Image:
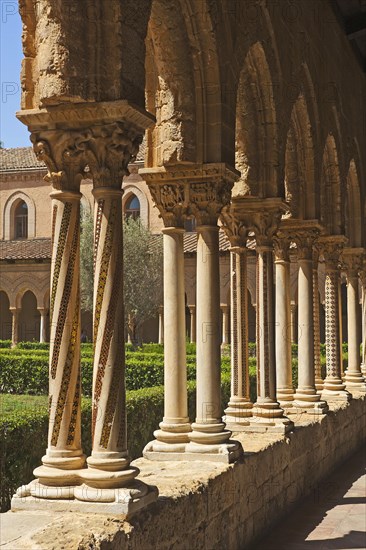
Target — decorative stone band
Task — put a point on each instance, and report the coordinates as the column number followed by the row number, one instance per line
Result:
column 183, row 191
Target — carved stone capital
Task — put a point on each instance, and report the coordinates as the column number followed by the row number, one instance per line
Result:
column 171, row 199
column 184, row 191
column 261, row 216
column 282, row 244
column 207, row 200
column 352, row 260
column 331, row 247
column 101, row 151
column 235, row 229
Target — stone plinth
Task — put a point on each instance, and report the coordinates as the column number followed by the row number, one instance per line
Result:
column 209, row 505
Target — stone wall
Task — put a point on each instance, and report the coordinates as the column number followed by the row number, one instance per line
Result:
column 214, row 506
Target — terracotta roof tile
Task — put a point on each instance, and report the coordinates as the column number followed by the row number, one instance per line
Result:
column 24, row 158
column 20, row 158
column 32, row 249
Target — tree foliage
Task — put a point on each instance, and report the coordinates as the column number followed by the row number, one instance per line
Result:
column 143, row 272
column 143, row 275
column 86, row 262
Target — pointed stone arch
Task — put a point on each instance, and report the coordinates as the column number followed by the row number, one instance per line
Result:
column 353, row 208
column 182, row 88
column 256, row 128
column 300, row 163
column 332, row 216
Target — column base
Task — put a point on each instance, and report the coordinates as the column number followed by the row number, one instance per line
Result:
column 336, row 395
column 238, row 412
column 307, row 400
column 212, row 442
column 170, row 440
column 315, row 408
column 319, row 384
column 334, row 390
column 354, row 381
column 84, row 499
column 285, row 396
column 268, row 416
column 275, row 425
column 363, row 369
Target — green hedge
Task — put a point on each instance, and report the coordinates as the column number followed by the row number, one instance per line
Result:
column 26, row 371
column 27, row 431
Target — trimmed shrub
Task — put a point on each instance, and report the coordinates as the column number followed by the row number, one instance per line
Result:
column 27, row 430
column 4, row 344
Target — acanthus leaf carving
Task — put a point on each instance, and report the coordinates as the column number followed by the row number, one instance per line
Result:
column 102, row 151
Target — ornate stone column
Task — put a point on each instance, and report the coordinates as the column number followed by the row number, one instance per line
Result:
column 169, row 196
column 105, row 138
column 363, row 316
column 43, row 324
column 161, row 325
column 240, row 406
column 285, row 392
column 208, row 196
column 316, row 320
column 306, row 397
column 14, row 326
column 225, row 325
column 352, row 259
column 64, row 459
column 192, row 311
column 262, row 216
column 334, row 388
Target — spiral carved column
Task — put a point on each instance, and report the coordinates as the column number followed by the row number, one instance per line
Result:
column 106, row 147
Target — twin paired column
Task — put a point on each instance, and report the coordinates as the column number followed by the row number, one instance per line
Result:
column 239, row 408
column 172, row 437
column 198, row 191
column 105, row 480
column 353, row 377
column 306, row 397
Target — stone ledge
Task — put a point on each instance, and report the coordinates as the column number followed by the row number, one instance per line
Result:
column 209, row 505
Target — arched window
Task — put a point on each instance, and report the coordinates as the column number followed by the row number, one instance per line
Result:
column 21, row 221
column 132, row 207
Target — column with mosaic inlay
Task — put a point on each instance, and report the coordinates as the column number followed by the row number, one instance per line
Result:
column 352, row 260
column 316, row 319
column 334, row 387
column 267, row 413
column 110, row 477
column 285, row 392
column 306, row 398
column 239, row 408
column 64, row 459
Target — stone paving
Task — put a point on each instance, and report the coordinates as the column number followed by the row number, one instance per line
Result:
column 332, row 517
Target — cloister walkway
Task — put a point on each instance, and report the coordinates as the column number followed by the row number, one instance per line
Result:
column 332, row 517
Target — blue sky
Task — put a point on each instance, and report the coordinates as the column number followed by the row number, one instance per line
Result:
column 12, row 132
